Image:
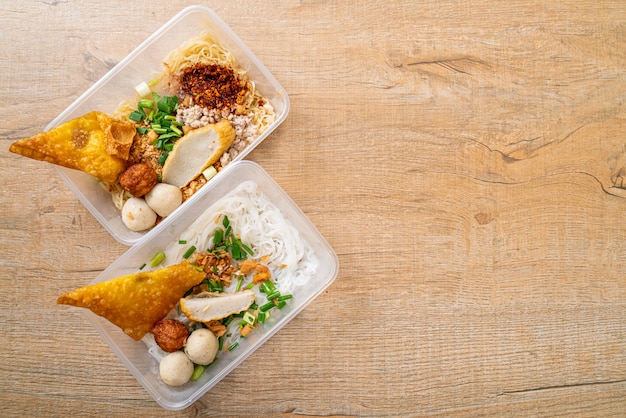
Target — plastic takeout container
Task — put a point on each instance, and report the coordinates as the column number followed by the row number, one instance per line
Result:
column 143, row 64
column 135, row 355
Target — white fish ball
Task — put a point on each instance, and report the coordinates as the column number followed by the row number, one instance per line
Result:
column 201, row 346
column 137, row 215
column 164, row 198
column 175, row 369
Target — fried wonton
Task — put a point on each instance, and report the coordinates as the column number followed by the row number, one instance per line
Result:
column 136, row 302
column 94, row 143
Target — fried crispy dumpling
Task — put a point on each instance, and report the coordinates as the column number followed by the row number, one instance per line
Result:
column 94, row 143
column 136, row 302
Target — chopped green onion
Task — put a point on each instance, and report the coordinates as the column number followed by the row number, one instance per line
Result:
column 228, row 320
column 160, row 130
column 215, row 285
column 236, row 251
column 225, row 221
column 142, row 130
column 281, row 304
column 176, row 130
column 220, row 341
column 248, row 318
column 136, row 116
column 182, row 241
column 142, row 266
column 263, row 287
column 233, row 346
column 145, row 103
column 189, row 251
column 197, row 372
column 219, row 236
column 254, row 306
column 269, row 286
column 273, row 295
column 163, row 157
column 157, row 259
column 142, row 89
column 166, row 106
column 262, row 316
column 284, row 297
column 239, row 283
column 246, row 248
column 249, row 285
column 166, row 135
column 266, row 307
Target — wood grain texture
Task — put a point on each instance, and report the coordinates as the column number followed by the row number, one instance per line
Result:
column 465, row 159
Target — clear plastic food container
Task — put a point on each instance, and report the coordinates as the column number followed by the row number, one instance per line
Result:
column 135, row 355
column 142, row 65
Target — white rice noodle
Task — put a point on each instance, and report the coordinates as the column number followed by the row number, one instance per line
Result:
column 260, row 225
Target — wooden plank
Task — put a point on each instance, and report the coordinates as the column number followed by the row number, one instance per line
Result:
column 464, row 159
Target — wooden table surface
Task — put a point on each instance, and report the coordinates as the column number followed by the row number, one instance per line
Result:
column 465, row 159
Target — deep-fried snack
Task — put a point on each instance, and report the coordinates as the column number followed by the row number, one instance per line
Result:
column 170, row 334
column 139, row 179
column 136, row 302
column 94, row 143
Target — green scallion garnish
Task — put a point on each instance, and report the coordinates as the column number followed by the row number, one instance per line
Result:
column 145, row 103
column 197, row 372
column 218, row 237
column 189, row 251
column 266, row 307
column 157, row 259
column 136, row 116
column 269, row 286
column 239, row 283
column 273, row 295
column 248, row 318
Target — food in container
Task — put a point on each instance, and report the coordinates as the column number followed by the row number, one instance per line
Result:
column 192, row 72
column 275, row 255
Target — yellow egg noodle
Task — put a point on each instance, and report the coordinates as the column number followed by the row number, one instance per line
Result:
column 204, row 49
